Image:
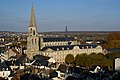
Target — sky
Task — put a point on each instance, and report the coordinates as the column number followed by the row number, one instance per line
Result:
column 55, row 15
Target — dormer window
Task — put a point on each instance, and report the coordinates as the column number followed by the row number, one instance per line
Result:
column 91, row 47
column 57, row 49
column 3, row 69
column 87, row 47
column 7, row 69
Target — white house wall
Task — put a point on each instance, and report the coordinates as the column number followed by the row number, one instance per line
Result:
column 4, row 73
column 117, row 64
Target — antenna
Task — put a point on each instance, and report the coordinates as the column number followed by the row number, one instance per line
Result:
column 66, row 29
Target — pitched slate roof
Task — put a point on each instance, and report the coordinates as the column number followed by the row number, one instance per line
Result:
column 18, row 61
column 89, row 40
column 53, row 74
column 62, row 68
column 3, row 65
column 2, row 49
column 57, row 39
column 41, row 57
column 70, row 47
column 40, row 63
column 21, row 59
column 41, row 60
column 113, row 49
column 12, row 75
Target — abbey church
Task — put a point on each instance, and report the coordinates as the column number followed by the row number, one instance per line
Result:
column 55, row 47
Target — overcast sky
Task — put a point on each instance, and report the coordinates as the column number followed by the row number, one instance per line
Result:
column 54, row 15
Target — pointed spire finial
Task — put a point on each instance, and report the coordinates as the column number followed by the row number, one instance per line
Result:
column 32, row 18
column 32, row 4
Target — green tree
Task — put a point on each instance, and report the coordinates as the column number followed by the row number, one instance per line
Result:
column 69, row 59
column 83, row 60
column 112, row 56
column 23, row 43
column 77, row 59
column 113, row 40
column 97, row 59
column 101, row 56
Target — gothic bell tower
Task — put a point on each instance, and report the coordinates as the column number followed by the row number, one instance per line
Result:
column 32, row 39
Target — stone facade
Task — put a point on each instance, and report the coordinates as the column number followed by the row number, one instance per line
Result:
column 32, row 39
column 61, row 52
column 55, row 47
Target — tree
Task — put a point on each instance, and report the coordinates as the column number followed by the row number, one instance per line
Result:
column 85, row 60
column 101, row 56
column 69, row 59
column 97, row 59
column 77, row 59
column 93, row 55
column 23, row 43
column 113, row 36
column 113, row 40
column 112, row 56
column 108, row 63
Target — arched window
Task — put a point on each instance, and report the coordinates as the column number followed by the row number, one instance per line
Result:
column 34, row 32
column 32, row 41
column 35, row 41
column 30, row 30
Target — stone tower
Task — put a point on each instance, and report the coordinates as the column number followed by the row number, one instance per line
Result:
column 32, row 39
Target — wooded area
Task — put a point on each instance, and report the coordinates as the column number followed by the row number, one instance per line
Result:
column 113, row 40
column 92, row 60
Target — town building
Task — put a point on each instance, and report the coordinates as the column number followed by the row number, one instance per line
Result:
column 117, row 64
column 4, row 70
column 55, row 47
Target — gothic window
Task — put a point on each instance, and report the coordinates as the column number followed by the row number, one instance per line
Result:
column 30, row 30
column 34, row 32
column 32, row 41
column 35, row 41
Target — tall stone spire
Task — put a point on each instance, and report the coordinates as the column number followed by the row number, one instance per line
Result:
column 32, row 39
column 32, row 18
